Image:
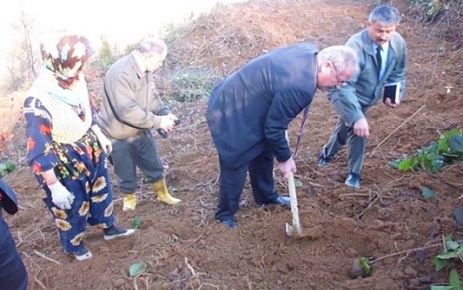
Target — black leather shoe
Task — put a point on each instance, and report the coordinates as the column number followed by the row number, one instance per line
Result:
column 353, row 180
column 283, row 200
column 230, row 223
column 323, row 160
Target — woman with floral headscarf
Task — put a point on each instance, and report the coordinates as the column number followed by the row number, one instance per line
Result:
column 65, row 147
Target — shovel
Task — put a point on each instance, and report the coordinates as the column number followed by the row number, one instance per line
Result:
column 295, row 228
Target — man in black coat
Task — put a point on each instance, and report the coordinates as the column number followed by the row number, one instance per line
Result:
column 13, row 275
column 249, row 112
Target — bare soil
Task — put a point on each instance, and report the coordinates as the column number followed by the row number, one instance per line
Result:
column 185, row 248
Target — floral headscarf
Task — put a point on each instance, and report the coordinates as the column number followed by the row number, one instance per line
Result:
column 66, row 57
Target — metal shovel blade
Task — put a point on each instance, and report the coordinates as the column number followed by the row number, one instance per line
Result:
column 289, row 229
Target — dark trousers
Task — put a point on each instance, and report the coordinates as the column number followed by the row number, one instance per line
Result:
column 13, row 275
column 141, row 152
column 232, row 181
column 356, row 145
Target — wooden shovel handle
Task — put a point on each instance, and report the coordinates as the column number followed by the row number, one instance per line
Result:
column 294, row 209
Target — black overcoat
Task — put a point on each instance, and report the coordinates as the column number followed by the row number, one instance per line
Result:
column 251, row 109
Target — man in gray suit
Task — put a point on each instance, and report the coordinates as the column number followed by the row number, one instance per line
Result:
column 383, row 57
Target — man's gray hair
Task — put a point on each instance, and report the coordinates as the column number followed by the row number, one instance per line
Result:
column 386, row 15
column 343, row 57
column 152, row 45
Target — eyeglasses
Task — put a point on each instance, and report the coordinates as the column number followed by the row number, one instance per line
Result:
column 340, row 82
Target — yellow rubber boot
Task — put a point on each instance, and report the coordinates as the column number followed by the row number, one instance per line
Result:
column 130, row 201
column 160, row 188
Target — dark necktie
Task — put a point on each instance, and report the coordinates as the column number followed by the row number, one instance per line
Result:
column 379, row 59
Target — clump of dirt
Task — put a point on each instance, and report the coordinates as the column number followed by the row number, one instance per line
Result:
column 184, row 248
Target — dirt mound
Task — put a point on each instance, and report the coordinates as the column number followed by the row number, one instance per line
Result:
column 184, row 248
column 228, row 37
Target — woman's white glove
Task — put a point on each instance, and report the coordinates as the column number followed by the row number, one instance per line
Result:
column 60, row 195
column 104, row 141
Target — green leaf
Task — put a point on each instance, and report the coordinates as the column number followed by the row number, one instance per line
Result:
column 442, row 288
column 447, row 134
column 437, row 163
column 431, row 148
column 6, row 167
column 442, row 144
column 438, row 154
column 454, row 279
column 407, row 164
column 440, row 264
column 458, row 214
column 456, row 143
column 448, row 238
column 137, row 269
column 365, row 266
column 452, row 245
column 10, row 167
column 136, row 222
column 427, row 193
column 395, row 164
column 298, row 183
column 448, row 255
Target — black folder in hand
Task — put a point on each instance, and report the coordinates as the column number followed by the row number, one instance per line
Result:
column 392, row 91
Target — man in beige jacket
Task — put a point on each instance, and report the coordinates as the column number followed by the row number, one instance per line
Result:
column 131, row 108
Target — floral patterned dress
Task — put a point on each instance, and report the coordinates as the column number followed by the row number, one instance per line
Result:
column 81, row 167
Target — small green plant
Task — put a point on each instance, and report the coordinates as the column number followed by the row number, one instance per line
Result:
column 431, row 9
column 136, row 222
column 6, row 167
column 189, row 85
column 447, row 149
column 446, row 260
column 105, row 57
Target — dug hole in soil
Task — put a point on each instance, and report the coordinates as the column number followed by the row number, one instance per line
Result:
column 185, row 248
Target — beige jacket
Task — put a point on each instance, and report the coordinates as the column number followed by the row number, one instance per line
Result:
column 130, row 102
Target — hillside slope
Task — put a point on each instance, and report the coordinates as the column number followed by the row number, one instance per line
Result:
column 185, row 248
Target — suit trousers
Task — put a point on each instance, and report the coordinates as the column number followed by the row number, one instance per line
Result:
column 232, row 180
column 13, row 275
column 356, row 146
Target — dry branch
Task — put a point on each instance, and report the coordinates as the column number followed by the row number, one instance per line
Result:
column 46, row 258
column 396, row 129
column 199, row 237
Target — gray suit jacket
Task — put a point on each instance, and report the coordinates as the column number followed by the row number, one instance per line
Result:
column 365, row 89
